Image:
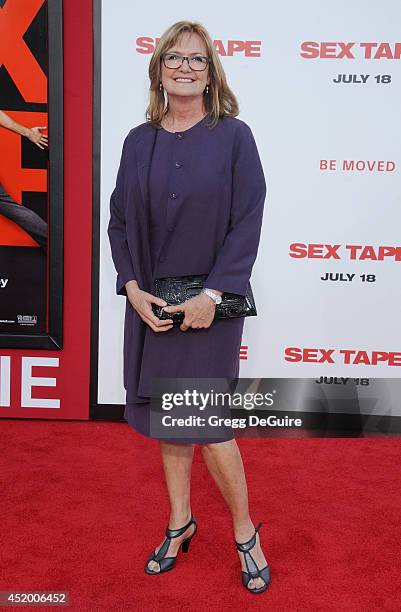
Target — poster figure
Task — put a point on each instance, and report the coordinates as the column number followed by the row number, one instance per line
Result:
column 26, row 218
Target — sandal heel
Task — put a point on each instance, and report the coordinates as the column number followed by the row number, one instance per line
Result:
column 186, row 543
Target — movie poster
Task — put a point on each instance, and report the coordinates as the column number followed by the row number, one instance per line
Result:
column 25, row 175
column 322, row 100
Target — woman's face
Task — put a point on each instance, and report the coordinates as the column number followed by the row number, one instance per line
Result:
column 196, row 80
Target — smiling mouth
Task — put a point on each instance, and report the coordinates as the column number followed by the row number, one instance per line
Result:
column 183, row 80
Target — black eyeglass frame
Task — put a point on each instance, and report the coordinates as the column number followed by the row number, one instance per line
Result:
column 183, row 58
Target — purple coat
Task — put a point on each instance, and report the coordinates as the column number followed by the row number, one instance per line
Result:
column 213, row 222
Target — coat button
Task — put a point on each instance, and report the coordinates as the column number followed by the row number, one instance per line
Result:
column 180, row 136
column 173, row 196
column 170, row 228
column 178, row 164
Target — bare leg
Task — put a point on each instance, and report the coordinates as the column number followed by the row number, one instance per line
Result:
column 224, row 463
column 177, row 463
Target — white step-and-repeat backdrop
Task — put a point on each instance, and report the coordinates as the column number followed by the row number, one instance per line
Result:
column 320, row 86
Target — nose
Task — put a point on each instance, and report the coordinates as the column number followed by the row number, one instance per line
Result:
column 187, row 66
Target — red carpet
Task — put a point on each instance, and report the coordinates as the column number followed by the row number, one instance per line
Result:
column 83, row 505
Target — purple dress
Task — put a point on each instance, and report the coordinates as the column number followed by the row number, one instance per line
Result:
column 188, row 214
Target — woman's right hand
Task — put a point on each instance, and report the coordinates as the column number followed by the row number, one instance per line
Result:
column 142, row 302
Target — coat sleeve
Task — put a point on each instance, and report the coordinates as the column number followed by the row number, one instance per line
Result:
column 116, row 229
column 233, row 266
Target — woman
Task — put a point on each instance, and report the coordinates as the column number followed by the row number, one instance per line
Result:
column 188, row 200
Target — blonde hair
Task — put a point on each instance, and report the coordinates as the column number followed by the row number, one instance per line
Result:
column 219, row 102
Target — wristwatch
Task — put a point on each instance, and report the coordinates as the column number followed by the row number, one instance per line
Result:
column 215, row 296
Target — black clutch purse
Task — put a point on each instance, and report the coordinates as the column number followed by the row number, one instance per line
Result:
column 177, row 289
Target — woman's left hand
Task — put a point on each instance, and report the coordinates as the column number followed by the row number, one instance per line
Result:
column 198, row 311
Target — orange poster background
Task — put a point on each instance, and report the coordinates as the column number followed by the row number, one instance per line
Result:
column 15, row 18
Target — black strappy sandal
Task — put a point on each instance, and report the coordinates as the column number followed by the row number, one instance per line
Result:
column 253, row 570
column 168, row 563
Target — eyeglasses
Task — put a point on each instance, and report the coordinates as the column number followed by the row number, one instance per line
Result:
column 174, row 61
